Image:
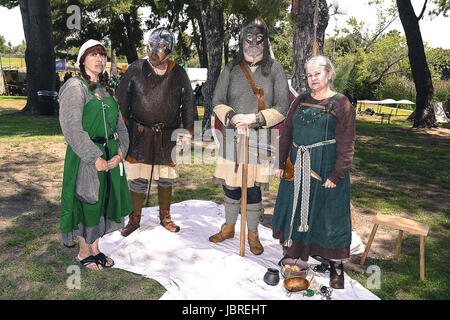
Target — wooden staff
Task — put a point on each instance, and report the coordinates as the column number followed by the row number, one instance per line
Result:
column 316, row 22
column 244, row 194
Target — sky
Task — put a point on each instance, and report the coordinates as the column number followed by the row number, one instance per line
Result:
column 432, row 30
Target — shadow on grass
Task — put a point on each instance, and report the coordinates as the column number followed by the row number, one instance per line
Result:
column 406, row 163
column 401, row 281
column 34, row 264
column 28, row 126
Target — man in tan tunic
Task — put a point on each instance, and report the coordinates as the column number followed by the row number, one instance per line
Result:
column 238, row 108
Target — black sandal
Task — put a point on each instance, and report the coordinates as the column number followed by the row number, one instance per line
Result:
column 101, row 260
column 87, row 261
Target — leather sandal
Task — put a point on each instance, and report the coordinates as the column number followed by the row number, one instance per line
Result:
column 88, row 261
column 102, row 260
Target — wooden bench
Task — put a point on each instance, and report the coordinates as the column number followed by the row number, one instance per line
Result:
column 401, row 224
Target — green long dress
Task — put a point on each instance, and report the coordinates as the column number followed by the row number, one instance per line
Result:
column 329, row 220
column 75, row 213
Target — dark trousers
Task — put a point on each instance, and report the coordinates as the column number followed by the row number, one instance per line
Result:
column 253, row 194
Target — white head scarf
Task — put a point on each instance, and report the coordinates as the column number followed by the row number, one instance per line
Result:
column 88, row 44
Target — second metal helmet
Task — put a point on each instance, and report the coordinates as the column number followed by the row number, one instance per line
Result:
column 161, row 40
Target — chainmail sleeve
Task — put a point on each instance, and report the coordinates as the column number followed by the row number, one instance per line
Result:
column 72, row 97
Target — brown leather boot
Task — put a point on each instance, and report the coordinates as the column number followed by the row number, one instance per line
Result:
column 336, row 280
column 226, row 232
column 133, row 223
column 137, row 200
column 164, row 200
column 166, row 221
column 255, row 245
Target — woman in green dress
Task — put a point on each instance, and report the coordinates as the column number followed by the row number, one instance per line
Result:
column 95, row 197
column 316, row 152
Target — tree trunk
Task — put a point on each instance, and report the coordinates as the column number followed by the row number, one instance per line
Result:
column 113, row 72
column 226, row 51
column 214, row 44
column 199, row 42
column 39, row 54
column 204, row 52
column 425, row 117
column 302, row 15
column 128, row 42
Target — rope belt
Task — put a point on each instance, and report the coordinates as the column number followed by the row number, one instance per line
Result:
column 302, row 170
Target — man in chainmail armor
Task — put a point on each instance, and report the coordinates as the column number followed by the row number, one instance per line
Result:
column 155, row 98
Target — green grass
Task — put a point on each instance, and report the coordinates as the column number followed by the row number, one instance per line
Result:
column 12, row 61
column 402, row 171
column 12, row 98
column 396, row 170
column 27, row 128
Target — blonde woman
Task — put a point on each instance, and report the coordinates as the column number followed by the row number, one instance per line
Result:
column 312, row 211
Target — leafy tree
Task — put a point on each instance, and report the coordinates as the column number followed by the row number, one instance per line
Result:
column 282, row 44
column 118, row 22
column 3, row 47
column 439, row 63
column 424, row 115
column 20, row 48
column 39, row 54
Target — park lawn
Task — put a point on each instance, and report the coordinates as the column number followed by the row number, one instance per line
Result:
column 14, row 62
column 12, row 104
column 402, row 171
column 396, row 170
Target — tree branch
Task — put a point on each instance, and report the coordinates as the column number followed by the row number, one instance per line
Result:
column 380, row 31
column 385, row 72
column 423, row 10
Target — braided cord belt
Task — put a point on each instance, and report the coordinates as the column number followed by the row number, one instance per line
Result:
column 302, row 170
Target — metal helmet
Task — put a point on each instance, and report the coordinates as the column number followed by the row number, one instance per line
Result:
column 255, row 27
column 161, row 40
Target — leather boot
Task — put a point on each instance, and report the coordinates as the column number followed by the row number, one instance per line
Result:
column 164, row 200
column 226, row 232
column 166, row 221
column 336, row 280
column 255, row 245
column 133, row 223
column 137, row 200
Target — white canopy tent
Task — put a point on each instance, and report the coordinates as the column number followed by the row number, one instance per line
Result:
column 197, row 76
column 384, row 102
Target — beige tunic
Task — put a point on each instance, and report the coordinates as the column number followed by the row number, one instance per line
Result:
column 142, row 170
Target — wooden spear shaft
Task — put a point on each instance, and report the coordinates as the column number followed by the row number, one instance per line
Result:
column 316, row 22
column 244, row 195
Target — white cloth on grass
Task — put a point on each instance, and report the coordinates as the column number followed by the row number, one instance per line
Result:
column 189, row 266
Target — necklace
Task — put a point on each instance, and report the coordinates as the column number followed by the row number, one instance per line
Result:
column 312, row 117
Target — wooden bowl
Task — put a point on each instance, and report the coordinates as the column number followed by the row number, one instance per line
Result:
column 295, row 284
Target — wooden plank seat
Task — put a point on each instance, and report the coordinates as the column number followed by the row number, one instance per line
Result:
column 401, row 224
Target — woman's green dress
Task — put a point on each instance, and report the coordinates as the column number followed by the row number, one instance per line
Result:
column 329, row 220
column 93, row 219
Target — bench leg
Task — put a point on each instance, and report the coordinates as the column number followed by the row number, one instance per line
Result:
column 422, row 257
column 372, row 235
column 399, row 245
